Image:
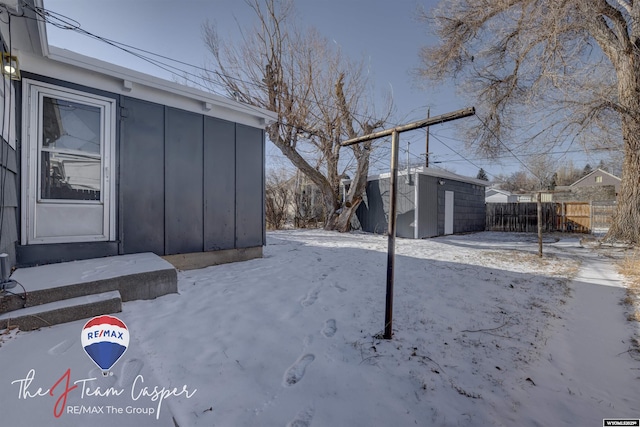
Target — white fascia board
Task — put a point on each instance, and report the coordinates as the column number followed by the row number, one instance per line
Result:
column 438, row 173
column 51, row 61
column 217, row 102
column 42, row 29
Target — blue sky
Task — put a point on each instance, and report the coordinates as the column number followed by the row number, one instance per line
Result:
column 384, row 33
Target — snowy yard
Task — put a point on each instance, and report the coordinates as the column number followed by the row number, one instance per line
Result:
column 291, row 338
column 485, row 333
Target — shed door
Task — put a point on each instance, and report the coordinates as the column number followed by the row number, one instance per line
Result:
column 448, row 212
column 69, row 166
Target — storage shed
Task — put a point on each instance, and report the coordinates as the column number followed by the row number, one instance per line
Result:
column 431, row 202
column 101, row 160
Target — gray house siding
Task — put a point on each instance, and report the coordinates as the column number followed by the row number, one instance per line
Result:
column 598, row 178
column 198, row 178
column 374, row 209
column 468, row 210
column 371, row 212
column 406, row 207
column 183, row 185
column 219, row 184
column 249, row 195
column 142, row 178
column 427, row 208
column 186, row 183
column 468, row 206
column 8, row 200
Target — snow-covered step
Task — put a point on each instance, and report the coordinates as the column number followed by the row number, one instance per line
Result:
column 136, row 276
column 63, row 311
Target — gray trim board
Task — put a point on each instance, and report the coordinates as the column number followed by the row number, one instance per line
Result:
column 30, row 255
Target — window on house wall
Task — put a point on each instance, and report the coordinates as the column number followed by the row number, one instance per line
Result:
column 71, row 150
column 598, row 178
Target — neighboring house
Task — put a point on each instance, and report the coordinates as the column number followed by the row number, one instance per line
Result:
column 496, row 195
column 597, row 186
column 431, row 202
column 598, row 178
column 101, row 160
column 525, row 198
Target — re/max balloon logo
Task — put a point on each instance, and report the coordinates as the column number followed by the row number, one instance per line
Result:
column 105, row 339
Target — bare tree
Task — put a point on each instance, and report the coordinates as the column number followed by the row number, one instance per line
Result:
column 278, row 199
column 567, row 174
column 519, row 181
column 561, row 71
column 320, row 98
column 543, row 168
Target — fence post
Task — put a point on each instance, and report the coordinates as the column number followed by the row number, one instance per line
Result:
column 539, row 201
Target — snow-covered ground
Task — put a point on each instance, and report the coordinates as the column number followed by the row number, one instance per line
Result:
column 485, row 333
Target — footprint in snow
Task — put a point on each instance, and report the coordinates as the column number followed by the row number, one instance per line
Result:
column 129, row 372
column 340, row 288
column 61, row 347
column 307, row 340
column 295, row 373
column 302, row 418
column 311, row 297
column 330, row 328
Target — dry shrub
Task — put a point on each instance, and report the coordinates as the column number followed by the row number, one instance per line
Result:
column 630, row 268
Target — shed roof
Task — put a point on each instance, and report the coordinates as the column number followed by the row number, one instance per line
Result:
column 438, row 173
column 498, row 191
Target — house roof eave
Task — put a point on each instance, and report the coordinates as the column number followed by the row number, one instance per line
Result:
column 593, row 172
column 30, row 41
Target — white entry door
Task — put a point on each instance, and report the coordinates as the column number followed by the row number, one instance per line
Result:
column 448, row 212
column 68, row 162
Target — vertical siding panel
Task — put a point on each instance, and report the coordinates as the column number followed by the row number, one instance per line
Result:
column 142, row 177
column 249, row 186
column 406, row 208
column 219, row 184
column 183, row 182
column 428, row 200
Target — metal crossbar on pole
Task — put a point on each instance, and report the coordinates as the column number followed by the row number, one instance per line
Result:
column 391, row 244
column 443, row 118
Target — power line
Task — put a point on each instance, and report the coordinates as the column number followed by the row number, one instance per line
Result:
column 66, row 23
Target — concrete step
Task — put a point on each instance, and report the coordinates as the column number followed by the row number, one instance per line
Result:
column 68, row 310
column 136, row 276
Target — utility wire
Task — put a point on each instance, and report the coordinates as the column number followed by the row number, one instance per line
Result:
column 507, row 148
column 66, row 23
column 63, row 22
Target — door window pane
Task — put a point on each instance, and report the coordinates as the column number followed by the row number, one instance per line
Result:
column 69, row 176
column 70, row 125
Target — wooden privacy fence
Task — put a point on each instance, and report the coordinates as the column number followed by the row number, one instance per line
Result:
column 521, row 217
column 577, row 217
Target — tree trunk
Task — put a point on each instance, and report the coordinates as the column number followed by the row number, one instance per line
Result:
column 626, row 222
column 342, row 221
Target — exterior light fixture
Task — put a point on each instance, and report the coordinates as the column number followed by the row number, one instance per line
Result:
column 441, row 181
column 10, row 66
